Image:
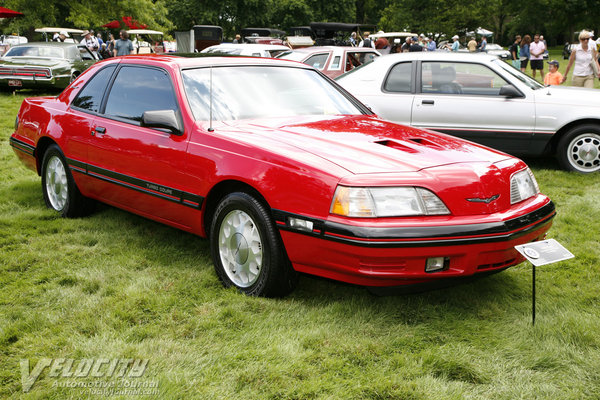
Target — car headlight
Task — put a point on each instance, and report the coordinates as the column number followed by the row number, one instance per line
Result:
column 523, row 186
column 386, row 202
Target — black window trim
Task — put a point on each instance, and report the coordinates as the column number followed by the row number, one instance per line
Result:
column 413, row 81
column 110, row 79
column 419, row 88
column 109, row 86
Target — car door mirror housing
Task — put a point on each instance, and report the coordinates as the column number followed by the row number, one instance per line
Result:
column 509, row 91
column 163, row 119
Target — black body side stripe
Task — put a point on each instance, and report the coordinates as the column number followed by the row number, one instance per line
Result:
column 421, row 236
column 140, row 185
column 22, row 146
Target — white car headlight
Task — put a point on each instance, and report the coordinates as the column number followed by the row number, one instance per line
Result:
column 523, row 186
column 386, row 202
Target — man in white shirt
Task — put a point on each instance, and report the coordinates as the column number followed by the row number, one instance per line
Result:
column 90, row 42
column 537, row 49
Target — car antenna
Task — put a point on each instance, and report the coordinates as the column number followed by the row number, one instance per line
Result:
column 210, row 127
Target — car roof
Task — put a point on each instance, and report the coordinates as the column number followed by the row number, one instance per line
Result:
column 437, row 55
column 45, row 44
column 316, row 49
column 253, row 46
column 179, row 62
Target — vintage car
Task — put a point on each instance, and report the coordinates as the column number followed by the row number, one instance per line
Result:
column 43, row 65
column 483, row 99
column 282, row 170
column 497, row 50
column 247, row 49
column 332, row 60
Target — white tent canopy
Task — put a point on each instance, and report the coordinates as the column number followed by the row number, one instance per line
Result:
column 483, row 32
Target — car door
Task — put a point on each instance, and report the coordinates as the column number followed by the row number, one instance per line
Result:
column 79, row 122
column 393, row 100
column 463, row 99
column 136, row 167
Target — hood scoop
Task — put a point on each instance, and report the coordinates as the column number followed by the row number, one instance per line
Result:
column 407, row 144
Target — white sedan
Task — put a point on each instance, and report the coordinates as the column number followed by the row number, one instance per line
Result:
column 482, row 98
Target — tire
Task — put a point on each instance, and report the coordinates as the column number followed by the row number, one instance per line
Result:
column 60, row 191
column 579, row 149
column 247, row 250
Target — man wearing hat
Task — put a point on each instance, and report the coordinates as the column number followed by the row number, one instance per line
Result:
column 414, row 45
column 62, row 35
column 90, row 42
column 455, row 44
column 553, row 77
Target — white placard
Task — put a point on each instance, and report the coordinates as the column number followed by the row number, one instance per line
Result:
column 544, row 252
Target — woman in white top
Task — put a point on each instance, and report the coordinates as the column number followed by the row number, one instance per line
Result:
column 583, row 55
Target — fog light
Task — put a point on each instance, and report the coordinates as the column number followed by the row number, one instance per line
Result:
column 435, row 264
column 300, row 224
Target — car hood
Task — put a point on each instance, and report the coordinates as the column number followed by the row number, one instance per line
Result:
column 568, row 96
column 30, row 61
column 366, row 144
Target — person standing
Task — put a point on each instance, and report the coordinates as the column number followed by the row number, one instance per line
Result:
column 524, row 53
column 514, row 52
column 61, row 36
column 90, row 42
column 455, row 44
column 414, row 45
column 431, row 45
column 382, row 44
column 483, row 45
column 353, row 39
column 582, row 56
column 238, row 39
column 472, row 45
column 366, row 42
column 553, row 77
column 123, row 46
column 406, row 45
column 536, row 50
column 99, row 39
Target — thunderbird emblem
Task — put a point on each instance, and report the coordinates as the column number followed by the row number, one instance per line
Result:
column 486, row 201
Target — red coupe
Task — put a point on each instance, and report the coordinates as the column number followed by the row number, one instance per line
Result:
column 282, row 170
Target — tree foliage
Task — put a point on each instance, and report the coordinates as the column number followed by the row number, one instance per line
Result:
column 558, row 20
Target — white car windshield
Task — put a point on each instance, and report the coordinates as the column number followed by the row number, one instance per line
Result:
column 529, row 81
column 247, row 92
column 35, row 51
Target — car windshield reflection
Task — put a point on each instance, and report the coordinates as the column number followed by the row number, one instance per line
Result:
column 257, row 92
column 529, row 81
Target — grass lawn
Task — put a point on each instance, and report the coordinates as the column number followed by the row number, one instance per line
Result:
column 114, row 285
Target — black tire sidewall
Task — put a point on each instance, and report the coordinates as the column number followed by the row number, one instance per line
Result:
column 563, row 146
column 68, row 209
column 272, row 253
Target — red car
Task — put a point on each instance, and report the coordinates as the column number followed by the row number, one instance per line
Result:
column 282, row 170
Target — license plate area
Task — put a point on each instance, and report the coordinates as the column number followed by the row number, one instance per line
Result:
column 15, row 83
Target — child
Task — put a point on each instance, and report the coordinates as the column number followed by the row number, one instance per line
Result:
column 553, row 77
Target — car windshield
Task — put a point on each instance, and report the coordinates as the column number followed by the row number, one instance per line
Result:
column 244, row 92
column 35, row 51
column 532, row 83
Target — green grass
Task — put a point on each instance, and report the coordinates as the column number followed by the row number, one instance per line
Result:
column 114, row 285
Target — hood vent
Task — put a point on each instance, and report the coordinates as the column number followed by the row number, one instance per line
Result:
column 406, row 145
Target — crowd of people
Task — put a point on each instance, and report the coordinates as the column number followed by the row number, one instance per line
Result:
column 103, row 49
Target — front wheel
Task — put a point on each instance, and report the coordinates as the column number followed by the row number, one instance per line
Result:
column 579, row 149
column 246, row 248
column 60, row 191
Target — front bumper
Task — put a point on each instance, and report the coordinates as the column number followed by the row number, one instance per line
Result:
column 396, row 255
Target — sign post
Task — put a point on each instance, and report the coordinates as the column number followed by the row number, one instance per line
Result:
column 539, row 253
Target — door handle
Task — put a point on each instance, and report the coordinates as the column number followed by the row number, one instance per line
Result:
column 429, row 102
column 100, row 130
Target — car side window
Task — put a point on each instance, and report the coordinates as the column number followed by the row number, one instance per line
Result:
column 317, row 61
column 85, row 54
column 140, row 89
column 460, row 78
column 335, row 64
column 399, row 79
column 90, row 97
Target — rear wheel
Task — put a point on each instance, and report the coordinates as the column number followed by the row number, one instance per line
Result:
column 60, row 191
column 579, row 149
column 247, row 250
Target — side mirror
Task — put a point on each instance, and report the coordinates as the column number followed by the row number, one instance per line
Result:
column 163, row 119
column 510, row 92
